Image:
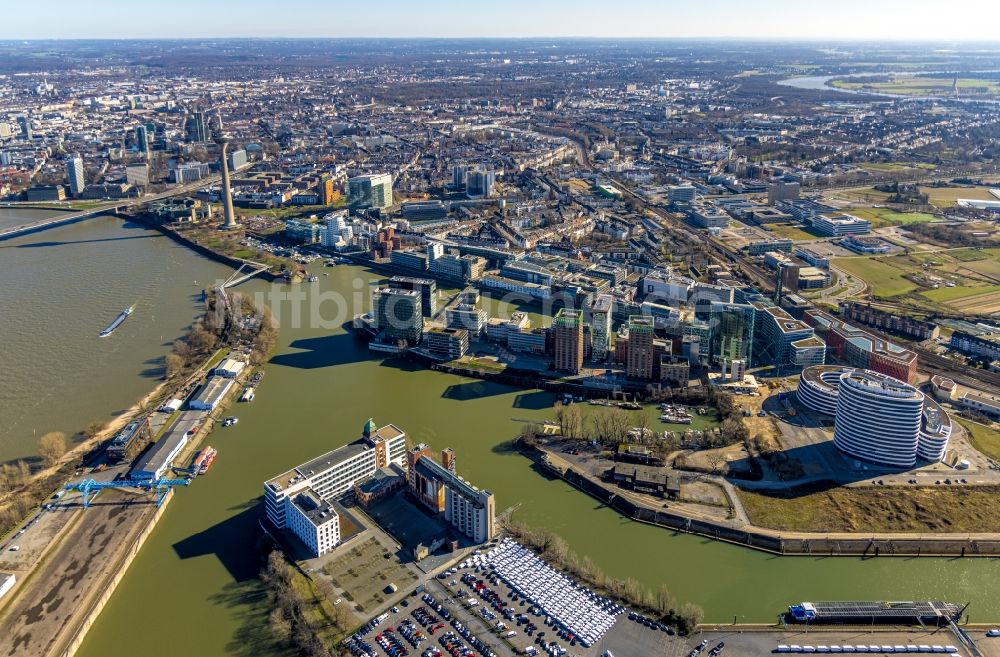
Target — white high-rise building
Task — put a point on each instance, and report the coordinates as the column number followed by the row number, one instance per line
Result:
column 138, row 175
column 74, row 171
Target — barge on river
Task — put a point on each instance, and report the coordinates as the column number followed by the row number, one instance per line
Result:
column 870, row 613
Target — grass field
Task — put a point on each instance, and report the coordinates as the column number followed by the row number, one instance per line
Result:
column 946, row 294
column 887, row 217
column 886, row 280
column 882, row 509
column 988, row 266
column 972, row 255
column 791, row 232
column 864, row 195
column 914, row 85
column 897, row 166
column 979, row 304
column 983, row 438
column 945, row 197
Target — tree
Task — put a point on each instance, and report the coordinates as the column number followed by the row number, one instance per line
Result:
column 95, row 428
column 174, row 364
column 691, row 615
column 200, row 339
column 52, row 446
column 13, row 475
column 572, row 421
column 665, row 602
column 618, row 421
column 641, row 419
column 556, row 549
column 281, row 627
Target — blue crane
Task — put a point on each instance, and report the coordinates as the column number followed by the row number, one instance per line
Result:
column 89, row 488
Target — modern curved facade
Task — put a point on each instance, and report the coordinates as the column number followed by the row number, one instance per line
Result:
column 878, row 418
column 935, row 432
column 818, row 387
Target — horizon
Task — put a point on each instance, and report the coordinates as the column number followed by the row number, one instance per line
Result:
column 851, row 21
column 539, row 37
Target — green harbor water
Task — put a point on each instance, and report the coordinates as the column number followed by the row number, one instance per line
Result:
column 192, row 587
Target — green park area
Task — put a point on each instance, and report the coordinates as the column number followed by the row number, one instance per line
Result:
column 289, row 212
column 888, row 217
column 946, row 197
column 882, row 274
column 983, row 438
column 892, row 167
column 946, row 294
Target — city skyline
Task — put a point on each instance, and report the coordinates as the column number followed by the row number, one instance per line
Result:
column 882, row 20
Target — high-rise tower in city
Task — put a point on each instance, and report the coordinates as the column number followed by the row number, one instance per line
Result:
column 74, row 171
column 567, row 329
column 227, row 193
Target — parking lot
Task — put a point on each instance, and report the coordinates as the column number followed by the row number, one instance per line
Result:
column 524, row 629
column 429, row 624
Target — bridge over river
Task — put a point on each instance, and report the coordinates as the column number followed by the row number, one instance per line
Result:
column 111, row 206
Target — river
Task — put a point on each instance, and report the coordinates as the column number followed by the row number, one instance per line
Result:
column 60, row 288
column 193, row 585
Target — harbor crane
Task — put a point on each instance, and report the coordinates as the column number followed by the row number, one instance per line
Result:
column 89, row 488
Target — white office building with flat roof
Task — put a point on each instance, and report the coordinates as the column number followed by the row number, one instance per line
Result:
column 334, row 473
column 314, row 522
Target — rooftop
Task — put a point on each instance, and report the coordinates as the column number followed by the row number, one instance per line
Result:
column 314, row 508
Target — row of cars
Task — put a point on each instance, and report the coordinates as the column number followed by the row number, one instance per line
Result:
column 869, row 649
column 649, row 622
column 358, row 645
column 714, row 652
column 391, row 644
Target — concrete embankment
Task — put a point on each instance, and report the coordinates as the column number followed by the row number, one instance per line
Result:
column 116, row 575
column 773, row 541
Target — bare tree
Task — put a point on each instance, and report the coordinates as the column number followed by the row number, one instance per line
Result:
column 618, row 425
column 94, row 428
column 52, row 446
column 573, row 421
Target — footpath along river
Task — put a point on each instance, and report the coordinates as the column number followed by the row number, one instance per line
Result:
column 193, row 587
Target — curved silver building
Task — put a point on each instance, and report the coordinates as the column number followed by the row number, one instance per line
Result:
column 935, row 432
column 878, row 419
column 818, row 387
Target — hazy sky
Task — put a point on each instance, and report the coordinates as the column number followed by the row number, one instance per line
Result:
column 844, row 19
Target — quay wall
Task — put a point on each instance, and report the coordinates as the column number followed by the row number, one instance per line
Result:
column 777, row 542
column 80, row 633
